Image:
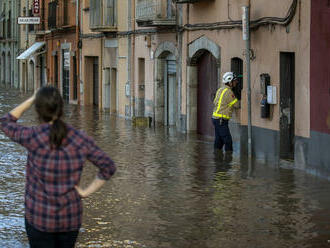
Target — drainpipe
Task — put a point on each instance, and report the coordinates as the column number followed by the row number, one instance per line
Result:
column 128, row 60
column 81, row 86
column 180, row 46
column 77, row 53
column 101, row 76
column 26, row 25
column 132, row 58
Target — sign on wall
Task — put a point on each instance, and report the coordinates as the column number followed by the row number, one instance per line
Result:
column 36, row 7
column 28, row 20
column 66, row 62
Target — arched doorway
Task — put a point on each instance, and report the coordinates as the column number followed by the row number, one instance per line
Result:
column 203, row 73
column 206, row 90
column 167, row 90
column 31, row 76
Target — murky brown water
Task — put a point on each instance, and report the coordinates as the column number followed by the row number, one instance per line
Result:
column 171, row 190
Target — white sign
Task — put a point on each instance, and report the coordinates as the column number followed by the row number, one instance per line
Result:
column 245, row 23
column 271, row 94
column 66, row 62
column 127, row 89
column 28, row 20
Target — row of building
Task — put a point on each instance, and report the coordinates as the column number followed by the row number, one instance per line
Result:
column 163, row 59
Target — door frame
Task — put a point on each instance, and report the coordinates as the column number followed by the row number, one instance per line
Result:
column 287, row 109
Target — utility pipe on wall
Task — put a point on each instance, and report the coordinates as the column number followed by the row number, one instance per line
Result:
column 26, row 25
column 246, row 37
column 77, row 52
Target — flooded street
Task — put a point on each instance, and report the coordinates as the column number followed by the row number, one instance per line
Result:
column 172, row 190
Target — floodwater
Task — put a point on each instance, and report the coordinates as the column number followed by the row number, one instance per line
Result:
column 172, row 190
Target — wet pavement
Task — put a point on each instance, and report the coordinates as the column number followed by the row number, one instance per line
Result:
column 172, row 190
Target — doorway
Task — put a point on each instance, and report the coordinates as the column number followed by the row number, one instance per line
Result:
column 31, row 83
column 66, row 76
column 56, row 71
column 3, row 74
column 96, row 81
column 171, row 90
column 41, row 70
column 207, row 87
column 113, row 91
column 287, row 105
column 140, row 106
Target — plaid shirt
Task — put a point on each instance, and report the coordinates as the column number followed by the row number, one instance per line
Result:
column 51, row 202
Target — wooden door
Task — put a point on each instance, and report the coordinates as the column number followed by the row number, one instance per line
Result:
column 207, row 86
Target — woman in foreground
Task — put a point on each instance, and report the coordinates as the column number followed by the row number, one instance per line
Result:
column 56, row 155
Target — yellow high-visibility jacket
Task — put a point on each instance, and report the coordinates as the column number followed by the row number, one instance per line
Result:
column 224, row 102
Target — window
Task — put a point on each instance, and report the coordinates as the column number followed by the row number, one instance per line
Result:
column 52, row 15
column 109, row 13
column 237, row 68
column 9, row 25
column 65, row 12
column 86, row 4
column 95, row 13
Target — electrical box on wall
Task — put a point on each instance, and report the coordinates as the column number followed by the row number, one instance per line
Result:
column 271, row 95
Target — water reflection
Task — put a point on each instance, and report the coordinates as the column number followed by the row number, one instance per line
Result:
column 173, row 190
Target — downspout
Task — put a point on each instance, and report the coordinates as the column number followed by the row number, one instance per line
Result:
column 180, row 46
column 132, row 59
column 26, row 25
column 101, row 77
column 77, row 53
column 81, row 88
column 187, row 55
column 128, row 60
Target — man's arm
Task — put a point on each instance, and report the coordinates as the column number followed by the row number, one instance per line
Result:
column 233, row 101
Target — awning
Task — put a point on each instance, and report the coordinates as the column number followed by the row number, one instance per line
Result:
column 31, row 50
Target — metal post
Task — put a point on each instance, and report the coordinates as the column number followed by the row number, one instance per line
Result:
column 26, row 25
column 246, row 37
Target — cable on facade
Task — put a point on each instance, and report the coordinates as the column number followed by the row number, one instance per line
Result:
column 238, row 23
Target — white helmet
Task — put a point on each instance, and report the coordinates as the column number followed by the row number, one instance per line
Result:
column 228, row 77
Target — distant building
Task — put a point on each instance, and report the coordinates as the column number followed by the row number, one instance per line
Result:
column 9, row 43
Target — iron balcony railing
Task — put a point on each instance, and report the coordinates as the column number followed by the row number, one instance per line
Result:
column 190, row 1
column 155, row 12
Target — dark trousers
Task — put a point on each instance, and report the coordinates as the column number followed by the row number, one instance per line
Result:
column 38, row 239
column 222, row 135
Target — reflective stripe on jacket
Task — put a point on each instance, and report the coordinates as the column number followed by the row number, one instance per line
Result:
column 224, row 102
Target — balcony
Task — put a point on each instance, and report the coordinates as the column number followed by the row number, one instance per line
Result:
column 190, row 1
column 103, row 15
column 155, row 13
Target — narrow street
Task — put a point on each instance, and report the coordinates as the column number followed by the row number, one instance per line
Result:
column 172, row 191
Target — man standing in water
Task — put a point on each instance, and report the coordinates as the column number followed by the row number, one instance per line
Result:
column 224, row 102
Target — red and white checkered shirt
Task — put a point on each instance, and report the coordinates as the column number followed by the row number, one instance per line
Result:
column 51, row 202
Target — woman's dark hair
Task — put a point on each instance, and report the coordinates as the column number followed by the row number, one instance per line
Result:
column 49, row 106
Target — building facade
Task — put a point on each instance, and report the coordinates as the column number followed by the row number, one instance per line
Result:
column 9, row 43
column 287, row 44
column 27, row 64
column 60, row 32
column 163, row 60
